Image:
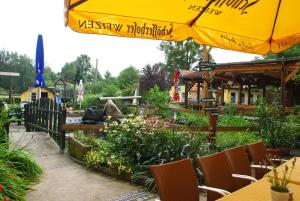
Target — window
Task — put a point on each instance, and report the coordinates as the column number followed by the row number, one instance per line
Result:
column 33, row 96
column 251, row 99
column 243, row 100
column 233, row 97
column 44, row 94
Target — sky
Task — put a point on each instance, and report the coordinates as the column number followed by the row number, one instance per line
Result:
column 22, row 21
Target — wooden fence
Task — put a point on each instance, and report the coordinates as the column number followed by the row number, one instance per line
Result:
column 45, row 115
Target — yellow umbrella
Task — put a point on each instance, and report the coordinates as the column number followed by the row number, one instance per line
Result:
column 253, row 26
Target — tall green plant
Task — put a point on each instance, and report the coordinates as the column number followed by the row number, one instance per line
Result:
column 273, row 126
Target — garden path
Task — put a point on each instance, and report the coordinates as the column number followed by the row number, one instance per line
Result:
column 63, row 179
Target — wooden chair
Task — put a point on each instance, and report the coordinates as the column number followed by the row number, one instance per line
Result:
column 177, row 181
column 240, row 164
column 259, row 156
column 217, row 172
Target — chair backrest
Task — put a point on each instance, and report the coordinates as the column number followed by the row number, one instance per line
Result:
column 176, row 181
column 258, row 153
column 240, row 164
column 217, row 173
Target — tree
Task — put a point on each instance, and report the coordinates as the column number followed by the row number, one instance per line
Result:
column 154, row 75
column 183, row 55
column 291, row 52
column 127, row 80
column 83, row 68
column 108, row 76
column 50, row 77
column 13, row 62
column 68, row 71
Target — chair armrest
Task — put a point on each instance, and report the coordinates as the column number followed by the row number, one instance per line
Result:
column 262, row 167
column 241, row 176
column 217, row 190
column 278, row 159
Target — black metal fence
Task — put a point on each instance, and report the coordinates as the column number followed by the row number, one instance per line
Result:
column 45, row 115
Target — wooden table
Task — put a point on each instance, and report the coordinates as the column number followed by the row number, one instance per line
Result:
column 260, row 190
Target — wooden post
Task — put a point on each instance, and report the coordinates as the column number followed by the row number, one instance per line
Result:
column 207, row 94
column 223, row 94
column 10, row 91
column 264, row 91
column 249, row 94
column 186, row 95
column 198, row 92
column 283, row 98
column 240, row 93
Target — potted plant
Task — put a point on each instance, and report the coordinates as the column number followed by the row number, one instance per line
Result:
column 274, row 128
column 279, row 185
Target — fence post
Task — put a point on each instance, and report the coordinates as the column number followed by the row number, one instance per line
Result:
column 62, row 120
column 26, row 117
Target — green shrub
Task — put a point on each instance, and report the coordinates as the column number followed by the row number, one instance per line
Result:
column 233, row 120
column 23, row 161
column 274, row 127
column 90, row 100
column 232, row 139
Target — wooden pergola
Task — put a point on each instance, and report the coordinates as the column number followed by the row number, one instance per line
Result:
column 10, row 74
column 279, row 72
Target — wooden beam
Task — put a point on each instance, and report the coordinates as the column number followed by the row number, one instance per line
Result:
column 291, row 75
column 10, row 74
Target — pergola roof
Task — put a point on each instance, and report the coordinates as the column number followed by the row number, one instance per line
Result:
column 190, row 75
column 262, row 72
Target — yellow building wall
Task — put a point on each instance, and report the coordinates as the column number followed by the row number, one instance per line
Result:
column 227, row 95
column 192, row 93
column 26, row 94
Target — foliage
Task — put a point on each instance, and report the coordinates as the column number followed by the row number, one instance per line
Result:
column 23, row 161
column 127, row 80
column 13, row 62
column 154, row 75
column 158, row 98
column 280, row 184
column 192, row 119
column 273, row 125
column 291, row 52
column 230, row 110
column 90, row 100
column 17, row 172
column 183, row 55
column 233, row 139
column 233, row 120
column 133, row 144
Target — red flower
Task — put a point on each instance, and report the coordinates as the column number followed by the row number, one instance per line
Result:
column 5, row 199
column 1, row 188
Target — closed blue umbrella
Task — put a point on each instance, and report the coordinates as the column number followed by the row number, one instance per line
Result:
column 39, row 63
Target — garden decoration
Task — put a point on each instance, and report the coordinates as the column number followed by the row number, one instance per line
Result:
column 80, row 93
column 176, row 94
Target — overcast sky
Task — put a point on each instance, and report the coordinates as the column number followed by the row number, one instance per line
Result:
column 22, row 21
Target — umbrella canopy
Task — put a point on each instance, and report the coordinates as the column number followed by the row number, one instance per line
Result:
column 39, row 63
column 253, row 26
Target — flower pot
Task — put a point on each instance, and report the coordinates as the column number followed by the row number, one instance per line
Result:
column 280, row 196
